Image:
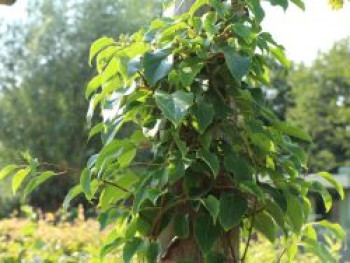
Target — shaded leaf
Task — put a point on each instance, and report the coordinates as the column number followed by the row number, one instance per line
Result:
column 232, row 210
column 157, row 65
column 211, row 160
column 206, row 233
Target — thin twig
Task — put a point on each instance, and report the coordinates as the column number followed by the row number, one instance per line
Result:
column 115, row 185
column 250, row 233
column 281, row 255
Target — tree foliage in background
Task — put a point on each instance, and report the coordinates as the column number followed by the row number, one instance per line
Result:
column 222, row 165
column 43, row 72
column 321, row 95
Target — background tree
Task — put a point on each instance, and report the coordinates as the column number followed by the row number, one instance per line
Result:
column 43, row 72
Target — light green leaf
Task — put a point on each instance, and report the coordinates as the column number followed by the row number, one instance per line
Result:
column 211, row 160
column 157, row 65
column 182, row 226
column 85, row 182
column 232, row 210
column 73, row 193
column 334, row 182
column 98, row 45
column 18, row 178
column 320, row 250
column 212, row 204
column 37, row 181
column 206, row 233
column 174, row 106
column 336, row 229
column 265, row 224
column 238, row 65
column 93, row 85
column 299, row 3
column 209, row 21
column 292, row 131
column 7, row 170
column 278, row 53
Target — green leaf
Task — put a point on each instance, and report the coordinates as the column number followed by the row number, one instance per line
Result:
column 85, row 182
column 292, row 131
column 157, row 65
column 326, row 197
column 18, row 178
column 73, row 193
column 232, row 210
column 276, row 212
column 182, row 226
column 336, row 229
column 238, row 166
column 294, row 213
column 206, row 233
column 211, row 160
column 174, row 106
column 198, row 4
column 238, row 65
column 299, row 3
column 189, row 69
column 93, row 85
column 215, row 257
column 257, row 10
column 278, row 53
column 320, row 250
column 37, row 181
column 282, row 3
column 152, row 252
column 330, row 178
column 203, row 112
column 98, row 45
column 209, row 21
column 265, row 224
column 7, row 170
column 130, row 249
column 212, row 204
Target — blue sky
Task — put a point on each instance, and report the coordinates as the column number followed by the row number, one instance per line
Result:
column 303, row 34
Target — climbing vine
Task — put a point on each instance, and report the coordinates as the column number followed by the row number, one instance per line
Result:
column 189, row 143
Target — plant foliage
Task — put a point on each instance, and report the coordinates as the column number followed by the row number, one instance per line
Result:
column 206, row 152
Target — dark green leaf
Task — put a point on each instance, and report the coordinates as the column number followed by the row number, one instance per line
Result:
column 215, row 257
column 282, row 3
column 238, row 65
column 232, row 210
column 206, row 233
column 203, row 113
column 211, row 160
column 174, row 106
column 213, row 206
column 294, row 213
column 257, row 10
column 265, row 224
column 152, row 252
column 130, row 249
column 157, row 65
column 238, row 166
column 326, row 197
column 182, row 226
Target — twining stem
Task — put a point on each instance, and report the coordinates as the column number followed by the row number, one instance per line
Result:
column 249, row 233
